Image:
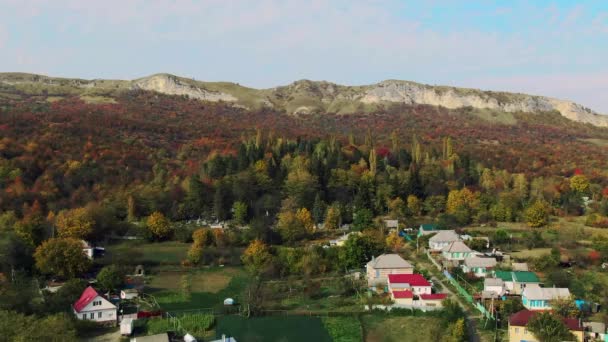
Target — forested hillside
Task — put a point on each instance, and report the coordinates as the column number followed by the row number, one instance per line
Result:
column 149, row 152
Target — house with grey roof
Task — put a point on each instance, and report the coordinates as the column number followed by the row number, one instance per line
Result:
column 381, row 266
column 442, row 239
column 456, row 252
column 495, row 286
column 479, row 266
column 535, row 297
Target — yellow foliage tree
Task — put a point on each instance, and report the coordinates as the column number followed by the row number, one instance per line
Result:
column 537, row 215
column 332, row 218
column 579, row 183
column 414, row 205
column 61, row 257
column 458, row 199
column 256, row 257
column 159, row 225
column 394, row 242
column 74, row 223
column 305, row 219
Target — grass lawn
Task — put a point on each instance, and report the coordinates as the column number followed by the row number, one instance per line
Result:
column 147, row 253
column 209, row 288
column 401, row 329
column 273, row 329
column 531, row 253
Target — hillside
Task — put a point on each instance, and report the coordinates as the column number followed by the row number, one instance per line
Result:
column 300, row 97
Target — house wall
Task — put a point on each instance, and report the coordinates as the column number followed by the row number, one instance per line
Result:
column 535, row 304
column 403, row 301
column 104, row 315
column 460, row 256
column 431, row 302
column 382, row 273
column 518, row 334
column 497, row 289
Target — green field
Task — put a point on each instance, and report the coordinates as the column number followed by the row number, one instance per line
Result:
column 402, row 329
column 209, row 288
column 149, row 254
column 273, row 329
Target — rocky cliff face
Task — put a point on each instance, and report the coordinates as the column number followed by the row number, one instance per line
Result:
column 411, row 93
column 304, row 97
column 171, row 85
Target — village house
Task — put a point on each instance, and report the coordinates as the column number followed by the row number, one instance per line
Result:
column 456, row 252
column 442, row 239
column 433, row 299
column 410, row 282
column 391, row 224
column 516, row 281
column 518, row 330
column 91, row 306
column 595, row 331
column 380, row 267
column 494, row 287
column 537, row 298
column 402, row 297
column 479, row 267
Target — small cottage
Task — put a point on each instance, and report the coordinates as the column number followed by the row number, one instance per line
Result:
column 479, row 267
column 456, row 252
column 442, row 239
column 380, row 267
column 518, row 330
column 415, row 283
column 92, row 306
column 538, row 298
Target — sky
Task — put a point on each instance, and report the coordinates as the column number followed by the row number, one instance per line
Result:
column 552, row 48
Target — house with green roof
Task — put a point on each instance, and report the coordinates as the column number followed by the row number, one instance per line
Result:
column 516, row 281
column 428, row 228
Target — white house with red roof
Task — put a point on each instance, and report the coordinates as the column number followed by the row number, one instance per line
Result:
column 402, row 297
column 433, row 299
column 409, row 282
column 92, row 306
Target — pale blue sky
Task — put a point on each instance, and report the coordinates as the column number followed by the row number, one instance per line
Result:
column 553, row 48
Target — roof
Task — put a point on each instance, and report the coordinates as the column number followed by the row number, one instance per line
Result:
column 87, row 296
column 504, row 275
column 480, row 262
column 411, row 279
column 525, row 277
column 493, row 282
column 541, row 293
column 403, row 294
column 522, row 317
column 518, row 276
column 456, row 247
column 429, row 226
column 445, row 236
column 434, row 296
column 389, row 261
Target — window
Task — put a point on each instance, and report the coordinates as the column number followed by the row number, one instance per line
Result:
column 92, row 315
column 84, row 316
column 517, row 330
column 377, row 273
column 99, row 314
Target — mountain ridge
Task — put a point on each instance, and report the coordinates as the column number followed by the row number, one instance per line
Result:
column 306, row 96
